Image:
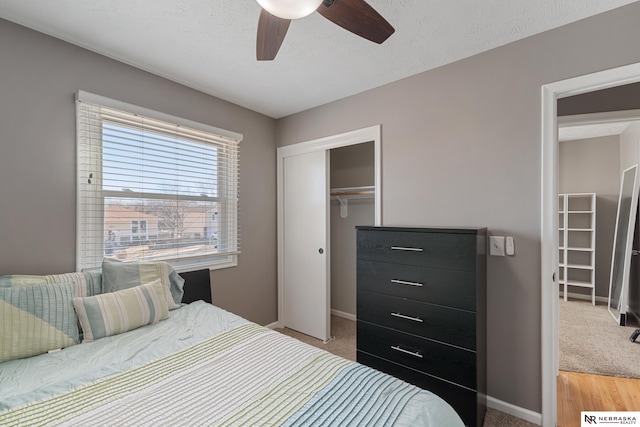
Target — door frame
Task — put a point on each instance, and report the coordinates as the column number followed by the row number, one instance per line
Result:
column 359, row 136
column 549, row 220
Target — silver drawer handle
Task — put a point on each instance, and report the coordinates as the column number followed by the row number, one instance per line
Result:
column 402, row 350
column 404, row 282
column 401, row 248
column 402, row 316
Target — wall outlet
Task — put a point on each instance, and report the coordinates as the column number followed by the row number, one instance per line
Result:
column 496, row 245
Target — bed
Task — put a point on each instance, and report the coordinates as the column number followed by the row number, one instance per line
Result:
column 205, row 366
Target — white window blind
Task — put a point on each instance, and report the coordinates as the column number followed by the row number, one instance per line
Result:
column 154, row 189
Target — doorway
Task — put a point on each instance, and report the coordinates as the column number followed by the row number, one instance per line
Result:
column 352, row 184
column 594, row 151
column 549, row 218
column 323, row 145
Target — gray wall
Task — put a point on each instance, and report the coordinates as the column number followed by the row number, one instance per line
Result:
column 343, row 252
column 351, row 166
column 461, row 146
column 630, row 147
column 593, row 166
column 39, row 76
column 625, row 97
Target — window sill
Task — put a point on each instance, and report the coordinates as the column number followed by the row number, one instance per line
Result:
column 191, row 265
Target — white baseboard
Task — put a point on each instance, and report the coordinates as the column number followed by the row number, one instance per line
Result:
column 513, row 410
column 584, row 297
column 343, row 314
column 272, row 325
column 333, row 312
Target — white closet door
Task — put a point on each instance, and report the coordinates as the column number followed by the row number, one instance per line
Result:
column 306, row 244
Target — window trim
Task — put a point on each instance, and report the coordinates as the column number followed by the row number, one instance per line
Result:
column 92, row 98
column 219, row 262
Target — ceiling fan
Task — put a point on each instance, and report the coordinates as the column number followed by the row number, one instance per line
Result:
column 352, row 15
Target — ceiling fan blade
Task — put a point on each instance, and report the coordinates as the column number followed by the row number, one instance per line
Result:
column 358, row 17
column 271, row 32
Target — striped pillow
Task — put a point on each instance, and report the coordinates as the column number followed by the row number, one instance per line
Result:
column 35, row 319
column 116, row 312
column 87, row 283
column 118, row 275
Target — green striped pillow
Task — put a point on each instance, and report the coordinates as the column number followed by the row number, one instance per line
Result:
column 117, row 275
column 116, row 312
column 35, row 319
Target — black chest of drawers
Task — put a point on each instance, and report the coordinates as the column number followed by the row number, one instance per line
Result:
column 421, row 308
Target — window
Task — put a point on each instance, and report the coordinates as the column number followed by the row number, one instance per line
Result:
column 154, row 187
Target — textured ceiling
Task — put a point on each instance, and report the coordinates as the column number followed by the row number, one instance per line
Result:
column 209, row 45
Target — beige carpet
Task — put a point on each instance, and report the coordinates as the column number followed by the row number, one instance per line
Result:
column 344, row 345
column 592, row 342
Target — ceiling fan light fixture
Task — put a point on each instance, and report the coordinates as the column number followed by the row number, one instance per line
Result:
column 290, row 9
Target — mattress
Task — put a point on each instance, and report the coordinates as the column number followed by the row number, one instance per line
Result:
column 206, row 366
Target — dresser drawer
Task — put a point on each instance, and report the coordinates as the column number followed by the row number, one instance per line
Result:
column 457, row 327
column 445, row 287
column 464, row 401
column 443, row 361
column 438, row 250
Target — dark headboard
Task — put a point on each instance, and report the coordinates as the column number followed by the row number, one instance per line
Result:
column 197, row 286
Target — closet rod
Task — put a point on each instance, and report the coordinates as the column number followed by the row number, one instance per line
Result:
column 344, row 194
column 353, row 191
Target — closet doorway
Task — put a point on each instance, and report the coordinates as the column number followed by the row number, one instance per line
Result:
column 304, row 300
column 352, row 204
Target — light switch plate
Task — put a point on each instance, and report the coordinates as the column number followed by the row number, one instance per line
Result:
column 496, row 245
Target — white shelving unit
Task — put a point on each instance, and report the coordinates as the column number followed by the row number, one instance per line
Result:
column 577, row 241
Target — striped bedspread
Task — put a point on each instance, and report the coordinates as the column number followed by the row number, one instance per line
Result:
column 246, row 375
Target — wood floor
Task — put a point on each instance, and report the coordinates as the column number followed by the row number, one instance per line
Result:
column 584, row 392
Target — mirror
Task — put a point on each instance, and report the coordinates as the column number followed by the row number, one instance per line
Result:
column 622, row 245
